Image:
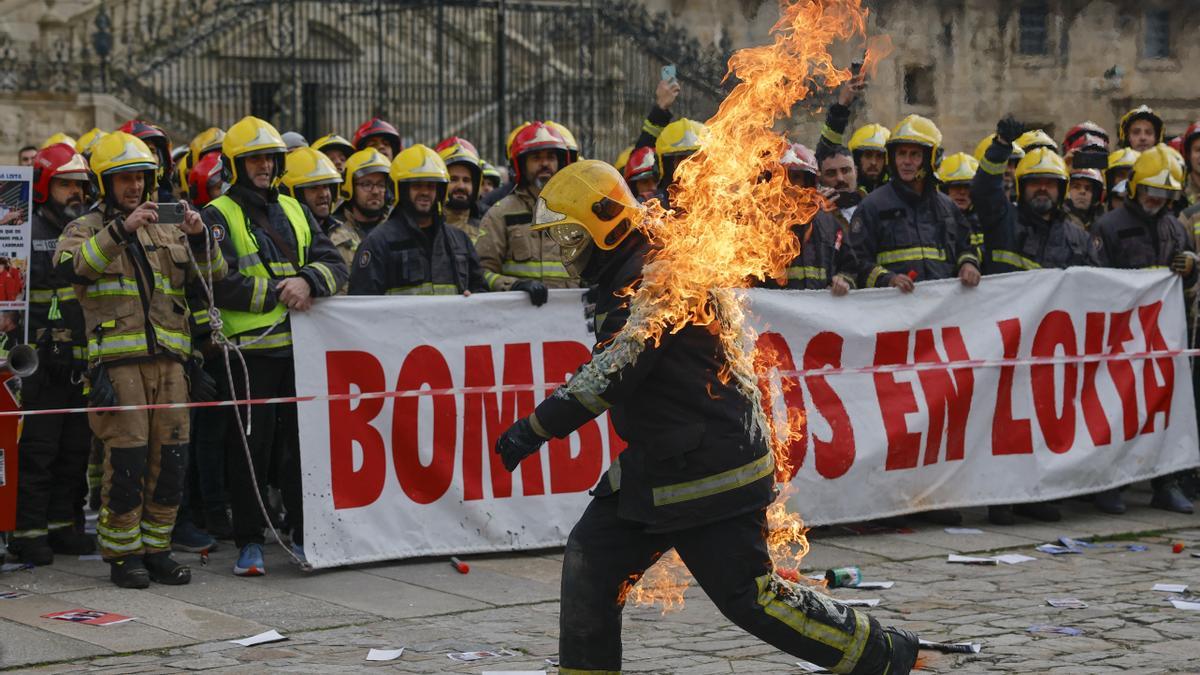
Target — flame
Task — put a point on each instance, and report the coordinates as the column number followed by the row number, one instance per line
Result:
column 733, row 226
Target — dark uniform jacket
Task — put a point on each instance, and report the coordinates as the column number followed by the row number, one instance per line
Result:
column 1016, row 239
column 897, row 231
column 1129, row 238
column 822, row 243
column 56, row 326
column 692, row 457
column 401, row 258
column 323, row 269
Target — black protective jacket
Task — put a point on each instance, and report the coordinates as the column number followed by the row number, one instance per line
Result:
column 56, row 326
column 1130, row 238
column 401, row 258
column 1014, row 238
column 693, row 457
column 897, row 231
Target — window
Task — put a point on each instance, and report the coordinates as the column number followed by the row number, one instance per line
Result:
column 1033, row 29
column 263, row 103
column 918, row 86
column 1158, row 34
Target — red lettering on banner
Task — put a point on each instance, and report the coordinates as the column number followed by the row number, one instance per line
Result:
column 947, row 393
column 486, row 416
column 1122, row 371
column 1093, row 411
column 832, row 458
column 1009, row 436
column 423, row 484
column 1158, row 396
column 352, row 489
column 1055, row 330
column 896, row 401
column 571, row 474
column 774, row 349
column 518, row 370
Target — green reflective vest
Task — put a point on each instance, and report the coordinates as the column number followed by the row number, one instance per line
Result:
column 245, row 246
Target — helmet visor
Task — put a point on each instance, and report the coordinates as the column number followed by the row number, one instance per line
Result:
column 1158, row 193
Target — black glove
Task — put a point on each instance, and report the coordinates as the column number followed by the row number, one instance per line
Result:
column 1009, row 129
column 103, row 394
column 204, row 387
column 536, row 290
column 518, row 442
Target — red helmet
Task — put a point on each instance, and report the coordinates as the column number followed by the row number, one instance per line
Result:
column 799, row 157
column 1085, row 128
column 154, row 137
column 1176, row 144
column 1094, row 177
column 1087, row 141
column 56, row 161
column 533, row 137
column 200, row 179
column 377, row 127
column 641, row 164
column 1192, row 133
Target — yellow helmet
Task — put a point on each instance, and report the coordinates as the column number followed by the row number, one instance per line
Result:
column 588, row 200
column 1142, row 112
column 490, row 171
column 678, row 139
column 60, row 137
column 957, row 168
column 205, row 142
column 182, row 168
column 249, row 137
column 88, row 141
column 920, row 131
column 419, row 164
column 1034, row 139
column 512, row 135
column 306, row 167
column 623, row 158
column 1042, row 163
column 1177, row 158
column 333, row 142
column 869, row 137
column 362, row 163
column 572, row 144
column 981, row 149
column 120, row 152
column 1156, row 169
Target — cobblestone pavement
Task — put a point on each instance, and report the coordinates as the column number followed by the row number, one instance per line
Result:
column 332, row 618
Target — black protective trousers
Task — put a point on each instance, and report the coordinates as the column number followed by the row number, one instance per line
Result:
column 729, row 560
column 52, row 459
column 272, row 441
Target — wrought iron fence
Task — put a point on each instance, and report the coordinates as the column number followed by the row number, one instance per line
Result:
column 473, row 68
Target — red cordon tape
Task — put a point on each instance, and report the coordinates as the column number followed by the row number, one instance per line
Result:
column 816, row 372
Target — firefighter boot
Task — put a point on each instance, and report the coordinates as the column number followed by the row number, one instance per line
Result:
column 904, row 645
column 32, row 550
column 69, row 541
column 128, row 572
column 164, row 570
column 1168, row 496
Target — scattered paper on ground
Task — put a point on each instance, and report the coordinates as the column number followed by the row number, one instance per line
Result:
column 1170, row 588
column 92, row 617
column 859, row 602
column 970, row 560
column 1055, row 549
column 873, row 585
column 1012, row 558
column 12, row 595
column 1057, row 630
column 1184, row 604
column 1067, row 603
column 384, row 654
column 262, row 638
column 475, row 656
column 951, row 647
column 810, row 667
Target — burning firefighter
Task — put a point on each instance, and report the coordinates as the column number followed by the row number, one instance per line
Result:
column 698, row 473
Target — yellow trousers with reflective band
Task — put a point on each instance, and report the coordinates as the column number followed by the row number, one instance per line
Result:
column 145, row 458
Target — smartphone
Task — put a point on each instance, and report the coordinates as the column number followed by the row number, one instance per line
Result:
column 1090, row 160
column 668, row 72
column 170, row 213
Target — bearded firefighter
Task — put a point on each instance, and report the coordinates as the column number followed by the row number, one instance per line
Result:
column 694, row 476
